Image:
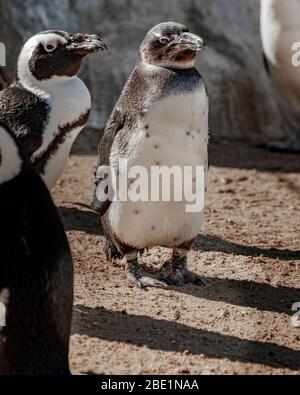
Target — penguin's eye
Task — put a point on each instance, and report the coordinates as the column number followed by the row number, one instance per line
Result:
column 164, row 40
column 50, row 47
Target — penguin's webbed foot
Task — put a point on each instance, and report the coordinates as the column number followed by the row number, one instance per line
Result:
column 175, row 271
column 134, row 277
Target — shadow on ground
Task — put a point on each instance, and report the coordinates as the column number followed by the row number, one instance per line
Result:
column 80, row 220
column 89, row 222
column 176, row 337
column 236, row 292
column 214, row 243
column 249, row 294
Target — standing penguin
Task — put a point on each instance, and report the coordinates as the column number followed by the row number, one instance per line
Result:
column 48, row 105
column 36, row 271
column 161, row 119
column 280, row 30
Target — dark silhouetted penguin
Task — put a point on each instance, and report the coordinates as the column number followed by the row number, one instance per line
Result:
column 48, row 105
column 36, row 271
column 161, row 119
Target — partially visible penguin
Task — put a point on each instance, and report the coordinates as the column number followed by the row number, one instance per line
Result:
column 280, row 30
column 48, row 105
column 161, row 119
column 36, row 271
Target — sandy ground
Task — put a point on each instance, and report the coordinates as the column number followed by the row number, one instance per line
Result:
column 239, row 322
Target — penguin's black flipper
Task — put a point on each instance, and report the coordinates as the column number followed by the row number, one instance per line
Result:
column 114, row 125
column 25, row 115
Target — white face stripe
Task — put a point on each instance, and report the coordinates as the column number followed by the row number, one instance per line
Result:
column 25, row 76
column 44, row 39
column 11, row 162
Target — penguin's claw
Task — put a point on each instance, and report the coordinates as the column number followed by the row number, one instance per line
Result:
column 181, row 279
column 152, row 282
column 144, row 282
column 175, row 272
column 134, row 278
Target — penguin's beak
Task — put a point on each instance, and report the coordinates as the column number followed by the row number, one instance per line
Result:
column 84, row 44
column 191, row 42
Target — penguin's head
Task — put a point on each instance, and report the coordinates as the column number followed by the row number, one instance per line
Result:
column 11, row 157
column 171, row 45
column 55, row 54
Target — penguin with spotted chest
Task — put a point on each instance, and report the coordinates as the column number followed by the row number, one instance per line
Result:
column 48, row 105
column 161, row 119
column 36, row 270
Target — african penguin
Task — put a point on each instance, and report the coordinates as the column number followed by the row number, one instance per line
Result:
column 161, row 119
column 48, row 105
column 280, row 29
column 36, row 270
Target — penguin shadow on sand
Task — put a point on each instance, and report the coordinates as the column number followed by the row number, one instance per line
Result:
column 262, row 296
column 246, row 293
column 81, row 219
column 176, row 337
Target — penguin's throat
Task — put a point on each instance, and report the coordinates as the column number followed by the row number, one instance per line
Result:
column 184, row 63
column 44, row 88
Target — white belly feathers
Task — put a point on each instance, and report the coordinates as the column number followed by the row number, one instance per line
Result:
column 69, row 100
column 173, row 132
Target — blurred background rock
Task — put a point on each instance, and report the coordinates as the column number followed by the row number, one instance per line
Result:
column 240, row 92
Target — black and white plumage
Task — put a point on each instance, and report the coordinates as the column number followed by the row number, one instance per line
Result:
column 161, row 119
column 280, row 30
column 36, row 270
column 48, row 105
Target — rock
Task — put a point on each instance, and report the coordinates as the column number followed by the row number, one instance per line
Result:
column 239, row 89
